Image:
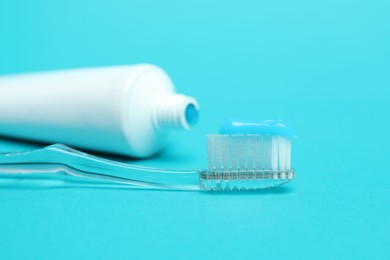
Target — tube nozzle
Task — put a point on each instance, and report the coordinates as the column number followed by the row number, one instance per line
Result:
column 176, row 111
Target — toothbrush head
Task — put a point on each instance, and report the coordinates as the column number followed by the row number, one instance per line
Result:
column 248, row 160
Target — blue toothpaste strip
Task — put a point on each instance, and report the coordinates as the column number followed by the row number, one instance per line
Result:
column 232, row 126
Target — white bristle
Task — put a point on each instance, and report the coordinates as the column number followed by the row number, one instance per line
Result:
column 242, row 148
column 218, row 153
column 225, row 152
column 258, row 147
column 282, row 153
column 275, row 157
column 288, row 155
column 282, row 157
column 274, row 153
column 249, row 157
column 267, row 152
column 235, row 146
column 226, row 157
column 210, row 153
column 251, row 146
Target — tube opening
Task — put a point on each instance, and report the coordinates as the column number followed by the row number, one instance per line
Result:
column 191, row 114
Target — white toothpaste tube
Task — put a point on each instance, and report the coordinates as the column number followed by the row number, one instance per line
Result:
column 127, row 110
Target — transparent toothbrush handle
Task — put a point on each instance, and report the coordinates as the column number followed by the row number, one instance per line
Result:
column 60, row 162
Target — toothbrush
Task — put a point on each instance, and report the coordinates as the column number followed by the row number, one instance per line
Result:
column 245, row 155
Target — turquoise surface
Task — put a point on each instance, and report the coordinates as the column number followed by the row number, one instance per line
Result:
column 321, row 66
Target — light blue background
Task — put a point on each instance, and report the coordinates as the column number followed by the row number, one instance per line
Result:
column 322, row 66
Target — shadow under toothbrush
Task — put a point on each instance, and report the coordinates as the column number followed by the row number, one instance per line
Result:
column 24, row 183
column 280, row 190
